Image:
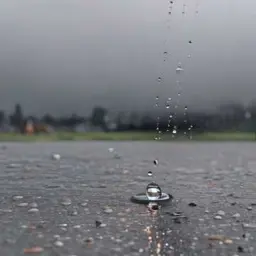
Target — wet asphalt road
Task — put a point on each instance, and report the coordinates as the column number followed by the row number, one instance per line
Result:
column 54, row 204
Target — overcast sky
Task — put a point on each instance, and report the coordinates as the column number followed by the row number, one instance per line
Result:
column 65, row 56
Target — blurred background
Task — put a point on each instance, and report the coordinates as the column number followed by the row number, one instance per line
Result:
column 101, row 66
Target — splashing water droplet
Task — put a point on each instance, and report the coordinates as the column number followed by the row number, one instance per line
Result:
column 155, row 162
column 150, row 173
column 179, row 68
column 153, row 191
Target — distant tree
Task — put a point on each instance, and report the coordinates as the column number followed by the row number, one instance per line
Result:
column 49, row 119
column 98, row 117
column 16, row 119
column 2, row 118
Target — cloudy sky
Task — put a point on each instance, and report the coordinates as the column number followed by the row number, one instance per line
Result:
column 65, row 56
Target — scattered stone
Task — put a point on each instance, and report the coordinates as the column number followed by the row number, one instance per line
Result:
column 228, row 241
column 236, row 215
column 240, row 249
column 89, row 240
column 66, row 202
column 218, row 217
column 97, row 223
column 73, row 213
column 55, row 156
column 221, row 213
column 59, row 243
column 35, row 249
column 16, row 198
column 64, row 225
column 22, row 204
column 192, row 204
column 108, row 210
column 84, row 204
column 249, row 225
column 249, row 208
column 33, row 210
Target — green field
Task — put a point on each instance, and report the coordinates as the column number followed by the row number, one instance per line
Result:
column 125, row 136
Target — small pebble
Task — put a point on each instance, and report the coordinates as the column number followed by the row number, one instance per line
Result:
column 66, row 202
column 236, row 215
column 22, row 205
column 108, row 210
column 218, row 217
column 240, row 249
column 55, row 156
column 221, row 213
column 192, row 204
column 59, row 243
column 16, row 198
column 33, row 210
column 249, row 208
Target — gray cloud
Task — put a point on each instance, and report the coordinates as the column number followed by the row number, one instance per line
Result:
column 67, row 56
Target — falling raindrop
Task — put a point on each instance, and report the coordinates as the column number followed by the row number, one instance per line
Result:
column 150, row 173
column 153, row 191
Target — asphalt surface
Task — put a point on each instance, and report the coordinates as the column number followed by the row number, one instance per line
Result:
column 80, row 204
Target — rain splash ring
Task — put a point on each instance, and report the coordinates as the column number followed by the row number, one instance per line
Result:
column 142, row 198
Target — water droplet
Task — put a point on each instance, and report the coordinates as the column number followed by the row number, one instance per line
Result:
column 174, row 131
column 155, row 162
column 150, row 173
column 153, row 191
column 157, row 97
column 186, row 108
column 171, row 116
column 189, row 56
column 165, row 53
column 159, row 79
column 190, row 42
column 167, row 105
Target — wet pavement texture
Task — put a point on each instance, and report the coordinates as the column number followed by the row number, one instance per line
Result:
column 78, row 202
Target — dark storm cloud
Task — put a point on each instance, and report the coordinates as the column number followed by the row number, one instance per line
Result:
column 69, row 55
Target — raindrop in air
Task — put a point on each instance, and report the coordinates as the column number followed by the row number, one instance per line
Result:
column 150, row 173
column 153, row 191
